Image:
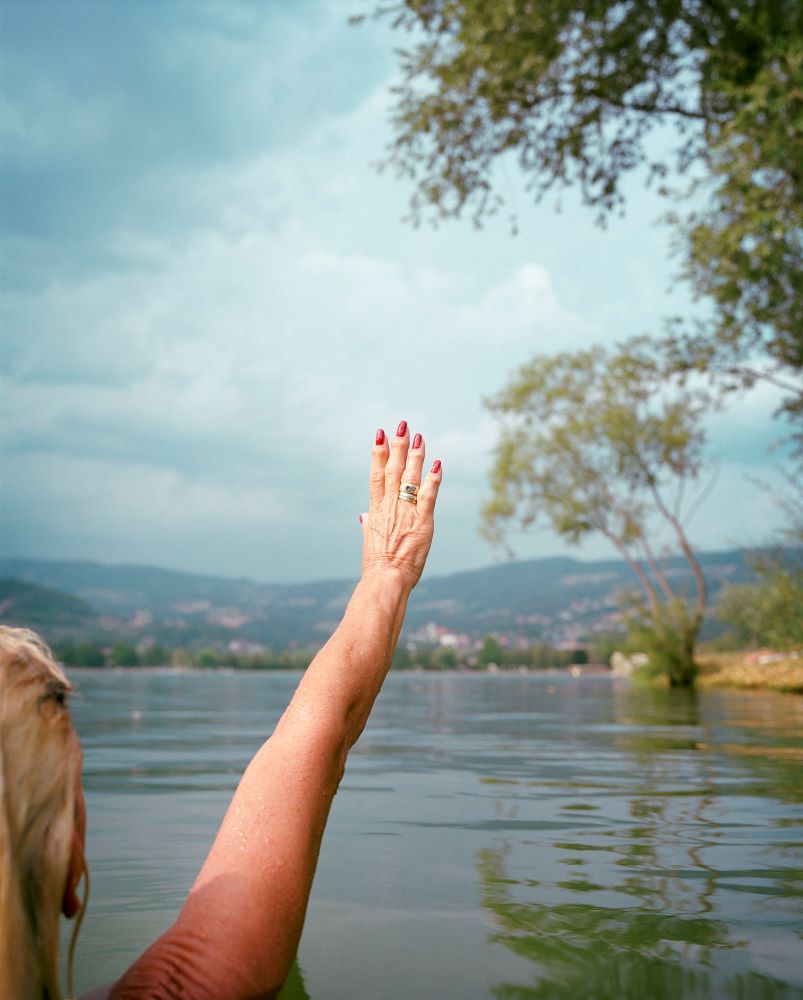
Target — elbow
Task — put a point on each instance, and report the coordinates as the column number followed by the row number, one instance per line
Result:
column 317, row 736
column 180, row 966
column 332, row 742
column 354, row 729
column 324, row 751
column 175, row 967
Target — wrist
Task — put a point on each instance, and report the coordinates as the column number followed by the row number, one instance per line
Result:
column 391, row 580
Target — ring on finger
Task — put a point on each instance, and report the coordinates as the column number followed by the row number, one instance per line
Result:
column 408, row 492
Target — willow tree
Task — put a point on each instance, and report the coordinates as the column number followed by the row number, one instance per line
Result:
column 592, row 442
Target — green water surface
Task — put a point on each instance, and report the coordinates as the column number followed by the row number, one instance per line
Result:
column 498, row 836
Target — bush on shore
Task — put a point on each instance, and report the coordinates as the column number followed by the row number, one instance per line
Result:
column 767, row 670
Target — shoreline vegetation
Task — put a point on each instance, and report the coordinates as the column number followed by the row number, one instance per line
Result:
column 491, row 657
column 765, row 670
column 523, row 616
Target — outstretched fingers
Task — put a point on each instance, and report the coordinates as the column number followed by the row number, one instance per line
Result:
column 415, row 461
column 397, row 460
column 428, row 493
column 376, row 477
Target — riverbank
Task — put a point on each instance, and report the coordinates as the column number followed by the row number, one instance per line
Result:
column 764, row 670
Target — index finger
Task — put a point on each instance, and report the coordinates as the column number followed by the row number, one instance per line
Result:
column 376, row 477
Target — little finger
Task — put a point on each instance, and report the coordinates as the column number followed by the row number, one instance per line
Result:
column 428, row 493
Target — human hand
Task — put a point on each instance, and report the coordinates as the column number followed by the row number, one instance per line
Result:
column 397, row 534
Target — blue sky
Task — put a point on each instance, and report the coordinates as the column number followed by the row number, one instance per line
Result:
column 210, row 300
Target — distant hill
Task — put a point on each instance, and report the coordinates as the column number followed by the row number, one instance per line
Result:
column 26, row 604
column 185, row 608
column 552, row 599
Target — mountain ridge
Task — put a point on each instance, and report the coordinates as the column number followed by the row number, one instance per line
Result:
column 557, row 598
column 24, row 566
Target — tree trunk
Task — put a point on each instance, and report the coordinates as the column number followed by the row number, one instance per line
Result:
column 679, row 654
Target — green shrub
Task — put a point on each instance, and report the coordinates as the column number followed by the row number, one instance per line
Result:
column 667, row 636
column 768, row 612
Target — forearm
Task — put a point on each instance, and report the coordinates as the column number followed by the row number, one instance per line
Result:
column 240, row 927
column 340, row 686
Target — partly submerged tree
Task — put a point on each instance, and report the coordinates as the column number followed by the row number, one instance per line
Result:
column 593, row 442
column 572, row 89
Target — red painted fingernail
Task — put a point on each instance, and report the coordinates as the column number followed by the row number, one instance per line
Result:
column 401, row 430
column 436, row 465
column 416, row 441
column 360, row 518
column 380, row 436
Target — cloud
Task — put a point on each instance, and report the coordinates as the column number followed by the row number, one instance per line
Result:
column 744, row 431
column 211, row 303
column 113, row 115
column 233, row 337
column 254, row 361
column 89, row 508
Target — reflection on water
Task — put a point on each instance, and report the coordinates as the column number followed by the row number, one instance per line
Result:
column 294, row 988
column 512, row 837
column 635, row 953
column 637, row 917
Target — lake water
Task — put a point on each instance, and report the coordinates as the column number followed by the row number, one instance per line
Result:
column 494, row 836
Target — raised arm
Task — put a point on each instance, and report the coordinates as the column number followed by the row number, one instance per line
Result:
column 238, row 931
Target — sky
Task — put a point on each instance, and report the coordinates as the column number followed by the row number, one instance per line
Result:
column 210, row 298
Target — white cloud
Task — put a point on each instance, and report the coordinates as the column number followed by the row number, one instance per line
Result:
column 214, row 401
column 259, row 362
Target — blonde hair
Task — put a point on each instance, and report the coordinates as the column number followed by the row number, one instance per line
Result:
column 40, row 765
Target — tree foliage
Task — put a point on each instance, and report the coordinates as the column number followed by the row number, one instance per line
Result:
column 124, row 654
column 490, row 652
column 572, row 90
column 80, row 654
column 768, row 612
column 591, row 442
column 743, row 251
